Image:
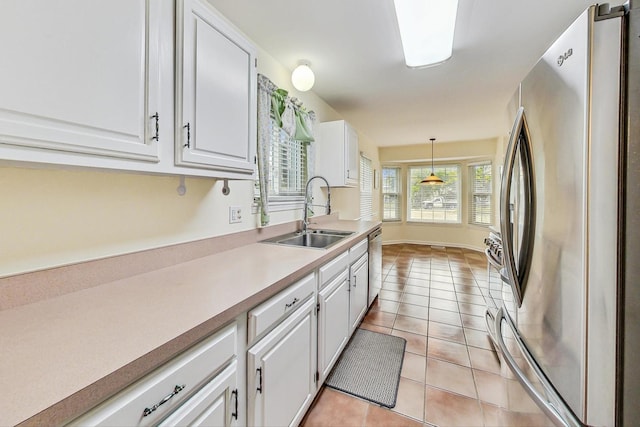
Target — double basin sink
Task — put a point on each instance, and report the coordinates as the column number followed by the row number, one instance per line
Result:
column 319, row 239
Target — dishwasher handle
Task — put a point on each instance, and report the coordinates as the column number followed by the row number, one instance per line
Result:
column 375, row 233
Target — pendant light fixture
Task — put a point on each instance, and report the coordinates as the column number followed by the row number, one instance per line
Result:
column 432, row 179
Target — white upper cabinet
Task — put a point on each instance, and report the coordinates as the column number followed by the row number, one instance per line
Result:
column 215, row 93
column 79, row 77
column 337, row 153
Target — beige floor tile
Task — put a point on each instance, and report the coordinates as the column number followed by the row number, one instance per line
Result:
column 411, row 324
column 443, row 408
column 411, row 310
column 451, row 377
column 416, row 344
column 414, row 367
column 476, row 338
column 446, row 332
column 380, row 417
column 375, row 328
column 491, row 388
column 444, row 316
column 416, row 290
column 380, row 318
column 333, row 408
column 410, row 401
column 484, row 360
column 448, row 351
column 443, row 304
column 415, row 299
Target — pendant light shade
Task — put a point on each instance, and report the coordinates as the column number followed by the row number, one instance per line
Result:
column 433, row 178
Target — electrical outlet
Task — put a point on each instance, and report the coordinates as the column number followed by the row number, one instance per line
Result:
column 235, row 214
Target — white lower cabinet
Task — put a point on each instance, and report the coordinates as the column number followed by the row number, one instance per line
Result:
column 333, row 322
column 281, row 370
column 359, row 284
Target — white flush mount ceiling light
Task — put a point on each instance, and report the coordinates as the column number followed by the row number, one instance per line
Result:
column 426, row 30
column 302, row 77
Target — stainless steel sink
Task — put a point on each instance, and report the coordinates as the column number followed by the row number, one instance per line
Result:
column 319, row 239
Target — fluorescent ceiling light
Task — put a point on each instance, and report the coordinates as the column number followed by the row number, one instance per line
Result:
column 426, row 30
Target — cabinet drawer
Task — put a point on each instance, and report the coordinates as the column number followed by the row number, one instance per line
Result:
column 268, row 313
column 165, row 389
column 333, row 268
column 356, row 251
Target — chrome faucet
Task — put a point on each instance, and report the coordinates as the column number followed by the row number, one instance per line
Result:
column 305, row 220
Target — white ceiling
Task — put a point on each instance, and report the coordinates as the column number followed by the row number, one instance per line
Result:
column 355, row 51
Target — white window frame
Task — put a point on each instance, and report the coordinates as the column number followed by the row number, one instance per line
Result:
column 397, row 193
column 438, row 170
column 471, row 171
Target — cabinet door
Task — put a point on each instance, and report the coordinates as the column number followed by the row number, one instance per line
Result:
column 216, row 92
column 333, row 322
column 79, row 77
column 352, row 155
column 359, row 288
column 281, row 371
column 216, row 404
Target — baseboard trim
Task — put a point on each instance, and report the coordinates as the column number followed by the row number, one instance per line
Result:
column 440, row 244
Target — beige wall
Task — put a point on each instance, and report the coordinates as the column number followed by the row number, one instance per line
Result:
column 53, row 216
column 463, row 153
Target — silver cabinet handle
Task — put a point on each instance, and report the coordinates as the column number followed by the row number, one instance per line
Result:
column 567, row 418
column 156, row 137
column 177, row 389
column 188, row 128
column 291, row 304
column 234, row 414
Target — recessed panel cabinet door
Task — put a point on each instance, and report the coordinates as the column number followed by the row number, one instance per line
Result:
column 216, row 84
column 281, row 369
column 359, row 291
column 333, row 322
column 79, row 76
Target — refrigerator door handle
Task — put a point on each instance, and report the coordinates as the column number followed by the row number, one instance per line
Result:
column 563, row 418
column 517, row 273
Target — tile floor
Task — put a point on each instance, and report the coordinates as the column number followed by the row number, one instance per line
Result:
column 432, row 297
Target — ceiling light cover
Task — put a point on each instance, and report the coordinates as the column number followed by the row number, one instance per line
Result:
column 426, row 29
column 303, row 78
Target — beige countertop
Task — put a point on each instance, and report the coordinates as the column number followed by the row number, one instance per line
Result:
column 63, row 355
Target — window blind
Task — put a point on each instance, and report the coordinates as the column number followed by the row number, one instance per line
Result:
column 480, row 191
column 288, row 165
column 391, row 194
column 366, row 189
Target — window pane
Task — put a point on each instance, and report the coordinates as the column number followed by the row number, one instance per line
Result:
column 439, row 203
column 391, row 207
column 366, row 189
column 391, row 194
column 288, row 164
column 480, row 194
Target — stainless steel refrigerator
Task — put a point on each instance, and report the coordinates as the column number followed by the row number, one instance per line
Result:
column 567, row 320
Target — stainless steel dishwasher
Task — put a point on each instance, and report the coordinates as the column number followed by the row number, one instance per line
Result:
column 375, row 263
